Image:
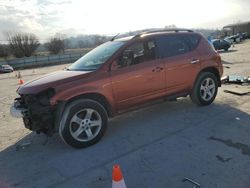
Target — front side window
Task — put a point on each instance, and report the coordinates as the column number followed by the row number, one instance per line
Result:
column 137, row 53
column 96, row 57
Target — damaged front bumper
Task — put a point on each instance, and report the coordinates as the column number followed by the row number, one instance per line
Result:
column 36, row 111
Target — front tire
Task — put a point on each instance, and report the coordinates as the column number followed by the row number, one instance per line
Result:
column 83, row 123
column 205, row 89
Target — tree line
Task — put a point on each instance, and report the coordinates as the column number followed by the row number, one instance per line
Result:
column 25, row 44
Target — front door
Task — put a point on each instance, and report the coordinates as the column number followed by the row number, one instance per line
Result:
column 137, row 74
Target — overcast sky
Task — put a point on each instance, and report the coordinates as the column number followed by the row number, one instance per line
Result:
column 72, row 17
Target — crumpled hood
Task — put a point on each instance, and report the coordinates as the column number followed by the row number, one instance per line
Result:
column 50, row 80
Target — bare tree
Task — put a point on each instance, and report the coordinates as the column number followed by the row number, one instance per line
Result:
column 81, row 44
column 4, row 50
column 170, row 26
column 22, row 44
column 56, row 44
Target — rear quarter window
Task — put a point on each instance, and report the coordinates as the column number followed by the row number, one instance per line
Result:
column 192, row 40
column 173, row 45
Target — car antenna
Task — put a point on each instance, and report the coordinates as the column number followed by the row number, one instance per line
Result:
column 113, row 38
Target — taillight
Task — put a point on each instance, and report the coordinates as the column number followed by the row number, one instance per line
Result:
column 218, row 58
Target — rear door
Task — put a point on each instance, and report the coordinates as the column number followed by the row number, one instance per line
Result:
column 181, row 60
column 137, row 75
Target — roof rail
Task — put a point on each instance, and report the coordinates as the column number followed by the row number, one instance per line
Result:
column 163, row 30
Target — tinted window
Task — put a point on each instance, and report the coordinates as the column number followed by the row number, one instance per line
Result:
column 192, row 40
column 172, row 45
column 138, row 52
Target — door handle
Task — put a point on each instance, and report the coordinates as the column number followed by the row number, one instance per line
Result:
column 194, row 61
column 157, row 69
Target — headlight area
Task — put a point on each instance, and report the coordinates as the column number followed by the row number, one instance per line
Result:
column 40, row 114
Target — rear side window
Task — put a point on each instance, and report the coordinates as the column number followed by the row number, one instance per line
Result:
column 176, row 45
column 171, row 46
column 193, row 40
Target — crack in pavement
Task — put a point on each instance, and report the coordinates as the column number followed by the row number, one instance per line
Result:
column 222, row 159
column 245, row 149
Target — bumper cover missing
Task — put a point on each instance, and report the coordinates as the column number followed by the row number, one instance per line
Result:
column 35, row 110
column 16, row 111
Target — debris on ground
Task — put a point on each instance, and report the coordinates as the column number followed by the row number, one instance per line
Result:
column 224, row 79
column 222, row 159
column 196, row 184
column 239, row 80
column 238, row 90
column 237, row 118
column 235, row 79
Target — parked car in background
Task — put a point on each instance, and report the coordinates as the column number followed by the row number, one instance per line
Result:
column 234, row 38
column 229, row 39
column 221, row 44
column 245, row 35
column 116, row 76
column 240, row 35
column 6, row 69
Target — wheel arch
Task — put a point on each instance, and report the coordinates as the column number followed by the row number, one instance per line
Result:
column 214, row 71
column 96, row 97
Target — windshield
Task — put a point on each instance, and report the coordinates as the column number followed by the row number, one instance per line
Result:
column 96, row 57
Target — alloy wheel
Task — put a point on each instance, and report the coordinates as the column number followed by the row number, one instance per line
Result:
column 85, row 125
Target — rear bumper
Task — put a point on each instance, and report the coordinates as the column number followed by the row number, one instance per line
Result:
column 221, row 70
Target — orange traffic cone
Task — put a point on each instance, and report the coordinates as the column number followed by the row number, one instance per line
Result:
column 21, row 81
column 19, row 75
column 117, row 178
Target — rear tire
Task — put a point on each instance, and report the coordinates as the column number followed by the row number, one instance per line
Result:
column 83, row 123
column 205, row 89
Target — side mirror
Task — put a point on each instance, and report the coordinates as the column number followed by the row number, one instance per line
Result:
column 114, row 65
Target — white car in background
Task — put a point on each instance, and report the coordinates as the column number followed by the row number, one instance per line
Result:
column 233, row 39
column 6, row 69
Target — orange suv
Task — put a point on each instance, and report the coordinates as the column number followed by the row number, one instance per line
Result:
column 118, row 75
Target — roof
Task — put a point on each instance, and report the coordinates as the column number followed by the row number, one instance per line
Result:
column 124, row 38
column 153, row 32
column 175, row 30
column 237, row 24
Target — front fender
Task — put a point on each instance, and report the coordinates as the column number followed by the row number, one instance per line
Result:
column 103, row 89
